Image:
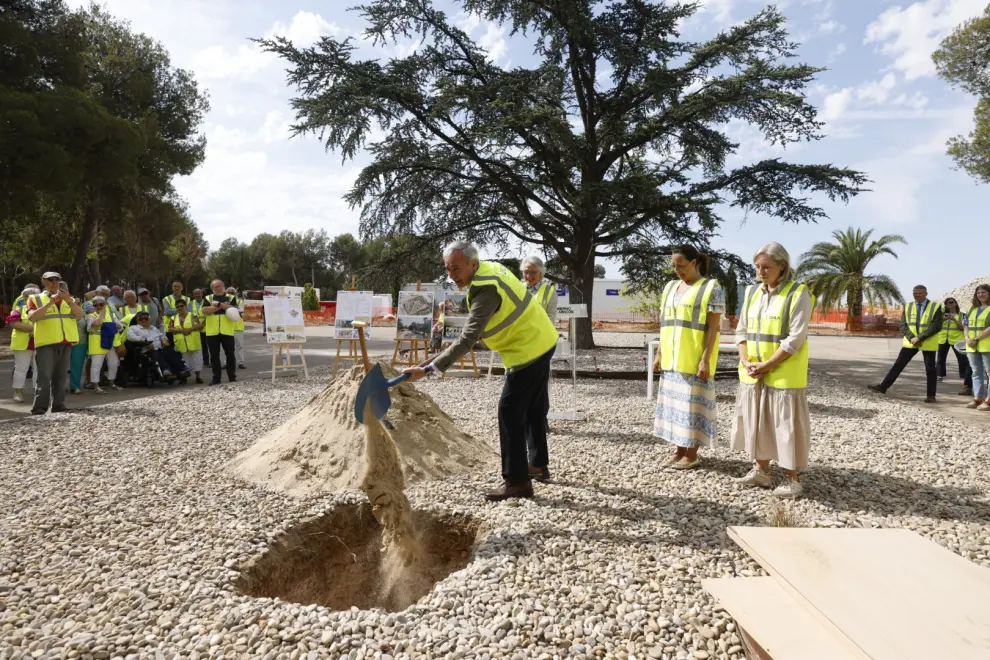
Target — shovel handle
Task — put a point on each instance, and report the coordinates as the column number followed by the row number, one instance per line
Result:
column 398, row 379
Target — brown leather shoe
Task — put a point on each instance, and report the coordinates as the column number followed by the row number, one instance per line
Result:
column 509, row 491
column 540, row 474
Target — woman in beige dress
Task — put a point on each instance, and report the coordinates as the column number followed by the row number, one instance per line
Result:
column 772, row 420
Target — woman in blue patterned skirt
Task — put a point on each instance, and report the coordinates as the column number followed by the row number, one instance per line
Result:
column 689, row 330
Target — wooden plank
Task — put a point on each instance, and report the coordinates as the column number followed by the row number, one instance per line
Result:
column 782, row 628
column 889, row 593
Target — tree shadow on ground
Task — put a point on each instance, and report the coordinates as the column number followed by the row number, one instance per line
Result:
column 853, row 489
column 842, row 412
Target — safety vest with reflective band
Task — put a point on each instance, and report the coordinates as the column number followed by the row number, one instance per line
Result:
column 977, row 320
column 183, row 343
column 543, row 292
column 520, row 331
column 765, row 331
column 95, row 332
column 918, row 327
column 21, row 339
column 56, row 326
column 682, row 327
column 218, row 323
column 196, row 307
column 952, row 330
column 170, row 300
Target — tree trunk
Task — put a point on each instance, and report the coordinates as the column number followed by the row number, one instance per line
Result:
column 295, row 280
column 94, row 271
column 855, row 316
column 584, row 282
column 82, row 246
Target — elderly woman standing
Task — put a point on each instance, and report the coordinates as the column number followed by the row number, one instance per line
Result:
column 103, row 329
column 692, row 308
column 22, row 342
column 772, row 419
column 533, row 271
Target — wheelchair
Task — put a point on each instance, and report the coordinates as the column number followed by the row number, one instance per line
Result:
column 139, row 367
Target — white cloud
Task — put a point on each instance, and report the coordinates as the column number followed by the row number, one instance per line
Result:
column 236, row 63
column 910, row 35
column 305, row 29
column 720, row 10
column 877, row 92
column 836, row 104
column 916, row 101
column 836, row 52
column 493, row 42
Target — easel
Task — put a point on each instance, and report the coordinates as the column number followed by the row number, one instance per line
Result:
column 352, row 346
column 571, row 313
column 277, row 358
column 412, row 360
column 466, row 361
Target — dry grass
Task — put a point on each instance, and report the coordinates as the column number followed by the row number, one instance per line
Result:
column 782, row 515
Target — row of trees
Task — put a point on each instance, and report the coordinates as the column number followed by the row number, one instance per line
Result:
column 95, row 123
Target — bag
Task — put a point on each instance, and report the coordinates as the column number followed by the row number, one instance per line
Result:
column 108, row 333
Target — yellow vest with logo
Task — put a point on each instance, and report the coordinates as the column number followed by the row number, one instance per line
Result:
column 19, row 339
column 184, row 343
column 683, row 326
column 56, row 326
column 764, row 332
column 95, row 332
column 218, row 323
column 918, row 327
column 520, row 331
column 952, row 330
column 976, row 322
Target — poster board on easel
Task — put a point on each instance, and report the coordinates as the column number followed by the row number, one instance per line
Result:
column 413, row 327
column 285, row 329
column 352, row 305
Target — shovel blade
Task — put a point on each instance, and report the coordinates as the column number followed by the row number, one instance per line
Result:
column 374, row 390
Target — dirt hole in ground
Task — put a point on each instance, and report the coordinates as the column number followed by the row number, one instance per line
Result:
column 336, row 560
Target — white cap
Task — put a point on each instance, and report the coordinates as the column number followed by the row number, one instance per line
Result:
column 51, row 275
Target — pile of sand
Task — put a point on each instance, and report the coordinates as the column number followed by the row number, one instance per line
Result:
column 322, row 448
column 964, row 293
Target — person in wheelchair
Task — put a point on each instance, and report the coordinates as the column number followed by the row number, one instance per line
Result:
column 151, row 342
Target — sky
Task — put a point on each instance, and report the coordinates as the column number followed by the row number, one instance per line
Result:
column 887, row 114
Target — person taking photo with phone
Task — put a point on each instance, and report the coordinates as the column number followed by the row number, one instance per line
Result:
column 54, row 314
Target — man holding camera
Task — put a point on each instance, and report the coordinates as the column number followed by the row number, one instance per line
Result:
column 54, row 314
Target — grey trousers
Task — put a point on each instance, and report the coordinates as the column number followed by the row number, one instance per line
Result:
column 49, row 380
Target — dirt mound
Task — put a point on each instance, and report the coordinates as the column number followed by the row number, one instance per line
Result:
column 964, row 293
column 322, row 448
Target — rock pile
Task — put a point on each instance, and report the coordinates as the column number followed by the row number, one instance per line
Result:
column 964, row 293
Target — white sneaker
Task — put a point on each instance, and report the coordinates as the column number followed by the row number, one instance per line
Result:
column 790, row 490
column 98, row 390
column 756, row 477
column 18, row 396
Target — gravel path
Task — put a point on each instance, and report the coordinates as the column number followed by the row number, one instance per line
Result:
column 119, row 535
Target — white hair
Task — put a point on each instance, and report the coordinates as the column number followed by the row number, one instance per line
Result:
column 97, row 299
column 535, row 261
column 30, row 290
column 130, row 291
column 779, row 255
column 470, row 252
column 103, row 287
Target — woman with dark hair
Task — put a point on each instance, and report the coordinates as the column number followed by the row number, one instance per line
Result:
column 952, row 334
column 977, row 325
column 689, row 329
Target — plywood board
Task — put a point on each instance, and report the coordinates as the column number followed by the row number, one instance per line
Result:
column 890, row 594
column 784, row 629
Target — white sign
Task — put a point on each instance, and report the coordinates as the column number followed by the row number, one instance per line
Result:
column 284, row 322
column 353, row 306
column 572, row 311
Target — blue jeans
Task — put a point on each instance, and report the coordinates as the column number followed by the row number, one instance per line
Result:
column 980, row 364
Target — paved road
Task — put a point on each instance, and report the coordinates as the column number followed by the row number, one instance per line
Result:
column 321, row 349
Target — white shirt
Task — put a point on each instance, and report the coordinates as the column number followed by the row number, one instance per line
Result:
column 151, row 334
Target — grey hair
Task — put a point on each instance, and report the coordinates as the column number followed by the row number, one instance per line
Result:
column 130, row 291
column 103, row 287
column 97, row 299
column 470, row 252
column 30, row 289
column 534, row 260
column 779, row 255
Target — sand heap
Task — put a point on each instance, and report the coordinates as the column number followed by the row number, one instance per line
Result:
column 322, row 448
column 964, row 293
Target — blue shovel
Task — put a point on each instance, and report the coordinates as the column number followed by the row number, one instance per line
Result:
column 374, row 388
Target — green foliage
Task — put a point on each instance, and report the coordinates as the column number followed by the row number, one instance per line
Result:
column 963, row 59
column 513, row 264
column 730, row 284
column 614, row 139
column 837, row 271
column 309, row 301
column 647, row 303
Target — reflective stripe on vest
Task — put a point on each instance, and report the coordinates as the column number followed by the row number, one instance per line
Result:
column 952, row 331
column 519, row 330
column 682, row 327
column 56, row 326
column 765, row 332
column 546, row 289
column 218, row 323
column 918, row 327
column 976, row 322
column 184, row 343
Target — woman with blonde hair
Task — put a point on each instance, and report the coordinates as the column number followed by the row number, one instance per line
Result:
column 772, row 420
column 692, row 307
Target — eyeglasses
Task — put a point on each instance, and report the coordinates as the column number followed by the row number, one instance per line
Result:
column 100, row 305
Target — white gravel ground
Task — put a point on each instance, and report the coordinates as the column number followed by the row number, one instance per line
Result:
column 119, row 534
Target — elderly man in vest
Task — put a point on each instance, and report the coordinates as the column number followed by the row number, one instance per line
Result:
column 220, row 331
column 509, row 320
column 545, row 293
column 54, row 314
column 920, row 326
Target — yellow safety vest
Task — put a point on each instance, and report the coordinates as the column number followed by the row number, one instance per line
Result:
column 96, row 332
column 170, row 300
column 183, row 343
column 218, row 324
column 520, row 331
column 56, row 326
column 976, row 322
column 919, row 327
column 764, row 332
column 20, row 339
column 196, row 307
column 543, row 293
column 682, row 327
column 952, row 330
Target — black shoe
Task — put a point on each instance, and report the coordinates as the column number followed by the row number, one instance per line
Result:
column 929, row 399
column 214, row 382
column 199, row 381
column 60, row 409
column 876, row 388
column 184, row 375
column 38, row 412
column 509, row 491
column 540, row 474
column 233, row 380
column 241, row 366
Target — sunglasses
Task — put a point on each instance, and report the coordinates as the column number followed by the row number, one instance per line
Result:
column 100, row 305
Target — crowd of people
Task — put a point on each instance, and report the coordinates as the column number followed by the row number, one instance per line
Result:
column 124, row 336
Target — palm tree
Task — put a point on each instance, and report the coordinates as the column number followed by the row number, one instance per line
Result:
column 838, row 270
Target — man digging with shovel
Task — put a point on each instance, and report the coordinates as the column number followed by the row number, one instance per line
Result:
column 506, row 316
